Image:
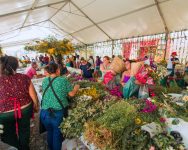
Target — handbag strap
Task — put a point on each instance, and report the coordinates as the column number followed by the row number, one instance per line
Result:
column 49, row 85
column 59, row 100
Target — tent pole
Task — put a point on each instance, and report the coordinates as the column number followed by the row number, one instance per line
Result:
column 166, row 45
column 165, row 27
column 29, row 12
column 86, row 51
column 162, row 16
column 113, row 47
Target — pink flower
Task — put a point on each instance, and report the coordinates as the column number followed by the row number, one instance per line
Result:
column 150, row 107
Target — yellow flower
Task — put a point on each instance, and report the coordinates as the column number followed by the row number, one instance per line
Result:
column 51, row 51
column 138, row 121
column 137, row 131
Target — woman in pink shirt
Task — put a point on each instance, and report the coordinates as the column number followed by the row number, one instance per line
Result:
column 31, row 71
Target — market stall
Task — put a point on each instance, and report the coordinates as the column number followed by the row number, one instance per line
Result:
column 149, row 109
column 99, row 120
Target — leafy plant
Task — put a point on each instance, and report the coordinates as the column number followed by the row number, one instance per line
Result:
column 166, row 141
column 106, row 131
column 86, row 109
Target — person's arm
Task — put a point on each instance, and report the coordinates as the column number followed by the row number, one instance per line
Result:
column 137, row 82
column 34, row 72
column 74, row 91
column 89, row 66
column 34, row 97
column 102, row 68
column 81, row 71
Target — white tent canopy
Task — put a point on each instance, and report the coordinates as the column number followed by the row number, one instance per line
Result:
column 88, row 21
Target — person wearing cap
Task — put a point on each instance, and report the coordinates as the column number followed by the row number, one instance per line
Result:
column 174, row 59
column 172, row 63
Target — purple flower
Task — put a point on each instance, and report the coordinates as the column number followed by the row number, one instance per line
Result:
column 150, row 107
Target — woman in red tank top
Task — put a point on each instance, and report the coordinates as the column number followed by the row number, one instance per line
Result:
column 17, row 100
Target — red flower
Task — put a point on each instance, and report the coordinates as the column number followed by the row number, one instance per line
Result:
column 152, row 94
column 162, row 119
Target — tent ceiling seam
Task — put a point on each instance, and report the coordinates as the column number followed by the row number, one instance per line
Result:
column 91, row 20
column 119, row 16
column 68, row 12
column 87, row 26
column 25, row 10
column 131, row 12
column 66, row 2
column 24, row 27
column 161, row 16
column 15, row 43
column 29, row 12
column 66, row 32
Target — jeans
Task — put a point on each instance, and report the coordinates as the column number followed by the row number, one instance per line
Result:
column 52, row 122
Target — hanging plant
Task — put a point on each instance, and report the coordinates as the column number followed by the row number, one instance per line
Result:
column 52, row 46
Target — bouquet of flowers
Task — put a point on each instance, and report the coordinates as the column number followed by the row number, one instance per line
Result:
column 144, row 75
column 161, row 71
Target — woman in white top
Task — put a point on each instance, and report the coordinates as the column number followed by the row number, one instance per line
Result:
column 105, row 66
column 92, row 62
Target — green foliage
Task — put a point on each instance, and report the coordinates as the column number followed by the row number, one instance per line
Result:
column 166, row 141
column 85, row 109
column 107, row 130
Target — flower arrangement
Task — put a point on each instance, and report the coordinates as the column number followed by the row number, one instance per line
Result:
column 145, row 75
column 161, row 71
column 73, row 77
column 72, row 126
column 116, row 92
column 51, row 46
column 139, row 139
column 84, row 109
column 89, row 92
column 24, row 62
column 167, row 141
column 109, row 122
column 150, row 107
column 106, row 131
column 163, row 63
